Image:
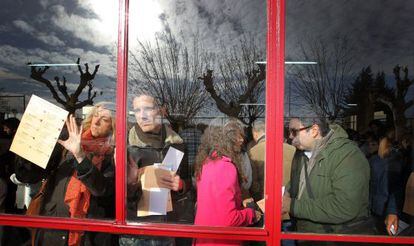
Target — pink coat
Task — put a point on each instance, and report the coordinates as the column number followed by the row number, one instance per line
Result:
column 219, row 200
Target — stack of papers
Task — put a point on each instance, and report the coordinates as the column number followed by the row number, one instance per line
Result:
column 156, row 200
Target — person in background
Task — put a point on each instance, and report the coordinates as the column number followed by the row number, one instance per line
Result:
column 191, row 136
column 218, row 173
column 247, row 175
column 390, row 202
column 257, row 157
column 408, row 209
column 80, row 178
column 7, row 187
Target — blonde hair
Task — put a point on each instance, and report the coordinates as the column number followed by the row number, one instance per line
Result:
column 384, row 148
column 86, row 123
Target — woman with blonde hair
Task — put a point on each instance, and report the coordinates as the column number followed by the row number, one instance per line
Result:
column 218, row 173
column 79, row 184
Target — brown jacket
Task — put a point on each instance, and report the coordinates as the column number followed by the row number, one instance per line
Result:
column 257, row 157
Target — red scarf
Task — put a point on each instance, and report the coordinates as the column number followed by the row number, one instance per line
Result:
column 77, row 195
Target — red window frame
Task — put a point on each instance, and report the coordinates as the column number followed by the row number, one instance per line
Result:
column 271, row 233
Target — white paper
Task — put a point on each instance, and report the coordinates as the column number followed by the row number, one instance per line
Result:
column 38, row 131
column 173, row 159
column 158, row 201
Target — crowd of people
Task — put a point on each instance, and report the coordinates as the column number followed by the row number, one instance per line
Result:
column 337, row 182
column 348, row 183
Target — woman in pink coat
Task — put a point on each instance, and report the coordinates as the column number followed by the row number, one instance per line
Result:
column 218, row 172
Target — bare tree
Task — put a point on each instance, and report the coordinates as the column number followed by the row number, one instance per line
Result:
column 237, row 87
column 395, row 99
column 361, row 93
column 364, row 93
column 70, row 101
column 168, row 69
column 323, row 86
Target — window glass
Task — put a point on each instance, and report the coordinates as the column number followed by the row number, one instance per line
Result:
column 348, row 117
column 196, row 85
column 62, row 53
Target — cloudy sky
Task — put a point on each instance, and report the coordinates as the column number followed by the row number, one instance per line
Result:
column 48, row 31
column 381, row 31
column 51, row 31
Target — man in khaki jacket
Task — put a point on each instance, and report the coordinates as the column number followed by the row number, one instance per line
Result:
column 257, row 157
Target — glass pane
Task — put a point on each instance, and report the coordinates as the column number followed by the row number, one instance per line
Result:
column 64, row 54
column 196, row 84
column 348, row 117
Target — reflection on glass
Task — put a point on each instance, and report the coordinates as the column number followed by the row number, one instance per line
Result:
column 348, row 115
column 63, row 52
column 197, row 64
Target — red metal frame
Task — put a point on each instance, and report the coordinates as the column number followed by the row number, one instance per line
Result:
column 275, row 69
column 121, row 114
column 271, row 233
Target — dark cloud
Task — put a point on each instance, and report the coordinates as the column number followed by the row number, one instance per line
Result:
column 381, row 31
column 50, row 31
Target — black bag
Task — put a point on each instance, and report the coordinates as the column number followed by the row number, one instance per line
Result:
column 183, row 208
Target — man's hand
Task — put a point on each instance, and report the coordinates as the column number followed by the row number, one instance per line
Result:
column 391, row 221
column 172, row 182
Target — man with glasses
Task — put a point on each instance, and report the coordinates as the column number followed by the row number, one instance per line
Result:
column 329, row 187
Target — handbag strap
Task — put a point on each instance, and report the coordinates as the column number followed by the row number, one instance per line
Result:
column 42, row 189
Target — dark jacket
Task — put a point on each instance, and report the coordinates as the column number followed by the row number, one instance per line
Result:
column 145, row 152
column 59, row 170
column 8, row 189
column 340, row 184
column 386, row 184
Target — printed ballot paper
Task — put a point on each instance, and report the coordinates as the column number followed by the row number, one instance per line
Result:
column 156, row 200
column 38, row 131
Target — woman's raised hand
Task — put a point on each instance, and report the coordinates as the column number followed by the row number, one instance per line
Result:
column 73, row 143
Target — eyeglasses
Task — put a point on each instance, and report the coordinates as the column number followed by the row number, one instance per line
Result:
column 295, row 132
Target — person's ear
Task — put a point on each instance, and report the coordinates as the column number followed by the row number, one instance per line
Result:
column 315, row 131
